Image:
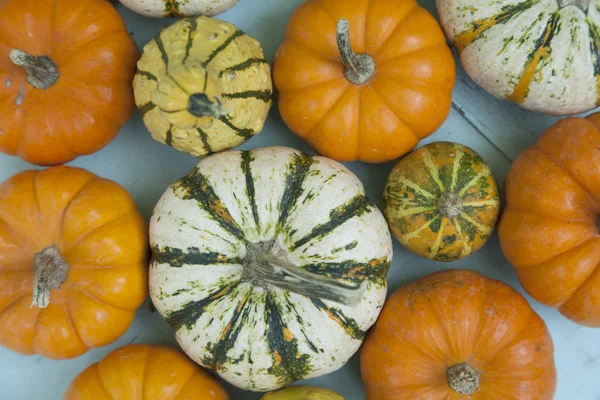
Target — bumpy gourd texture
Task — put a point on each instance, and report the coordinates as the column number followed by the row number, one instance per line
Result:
column 262, row 338
column 178, row 8
column 550, row 228
column 92, row 98
column 413, row 191
column 145, row 372
column 455, row 317
column 541, row 54
column 97, row 229
column 210, row 57
column 303, row 393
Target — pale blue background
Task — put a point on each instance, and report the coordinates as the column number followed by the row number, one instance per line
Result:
column 498, row 130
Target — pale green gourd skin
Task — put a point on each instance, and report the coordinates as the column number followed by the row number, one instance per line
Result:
column 262, row 338
column 557, row 40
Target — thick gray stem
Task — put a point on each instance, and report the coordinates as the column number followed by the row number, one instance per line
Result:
column 583, row 4
column 261, row 265
column 463, row 378
column 360, row 68
column 450, row 205
column 41, row 70
column 200, row 105
column 50, row 273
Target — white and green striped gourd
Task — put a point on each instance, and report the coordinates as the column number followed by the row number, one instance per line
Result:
column 270, row 265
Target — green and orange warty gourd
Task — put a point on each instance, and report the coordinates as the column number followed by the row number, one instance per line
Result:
column 442, row 201
column 550, row 228
column 73, row 262
column 65, row 78
column 363, row 79
column 458, row 335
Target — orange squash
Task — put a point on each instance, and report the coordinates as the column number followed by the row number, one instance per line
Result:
column 73, row 262
column 145, row 372
column 458, row 335
column 550, row 228
column 66, row 68
column 363, row 79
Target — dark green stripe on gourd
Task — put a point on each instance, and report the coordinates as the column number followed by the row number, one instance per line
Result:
column 468, row 228
column 196, row 186
column 147, row 75
column 218, row 351
column 595, row 51
column 204, row 139
column 193, row 25
column 346, row 323
column 264, row 95
column 250, row 190
column 245, row 133
column 161, row 48
column 291, row 308
column 289, row 364
column 353, row 271
column 243, row 66
column 548, row 33
column 191, row 256
column 223, row 46
column 187, row 316
column 356, row 207
column 506, row 14
column 465, row 173
column 297, row 171
column 146, row 108
column 169, row 136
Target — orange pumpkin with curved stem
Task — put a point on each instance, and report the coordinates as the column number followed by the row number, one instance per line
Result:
column 550, row 227
column 145, row 372
column 363, row 79
column 73, row 262
column 66, row 68
column 457, row 335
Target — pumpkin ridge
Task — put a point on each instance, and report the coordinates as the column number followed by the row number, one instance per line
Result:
column 84, row 291
column 15, row 301
column 70, row 319
column 516, row 337
column 348, row 324
column 229, row 335
column 61, row 220
column 326, row 113
column 393, row 111
column 71, row 56
column 354, row 208
column 580, row 286
column 375, row 52
column 189, row 313
column 196, row 186
column 569, row 175
column 80, row 239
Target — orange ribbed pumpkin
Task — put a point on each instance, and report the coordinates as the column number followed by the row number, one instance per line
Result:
column 73, row 262
column 550, row 228
column 66, row 68
column 457, row 335
column 363, row 79
column 145, row 372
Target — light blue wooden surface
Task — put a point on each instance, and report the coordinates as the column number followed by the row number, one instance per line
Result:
column 498, row 130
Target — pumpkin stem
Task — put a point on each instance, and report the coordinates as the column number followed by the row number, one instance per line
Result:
column 50, row 273
column 200, row 105
column 583, row 4
column 450, row 205
column 265, row 263
column 463, row 378
column 41, row 70
column 360, row 68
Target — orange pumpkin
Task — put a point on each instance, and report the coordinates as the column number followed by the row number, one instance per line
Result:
column 363, row 79
column 550, row 228
column 73, row 262
column 145, row 372
column 458, row 335
column 66, row 68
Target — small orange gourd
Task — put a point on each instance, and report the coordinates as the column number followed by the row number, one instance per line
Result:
column 458, row 335
column 73, row 262
column 66, row 68
column 550, row 228
column 145, row 372
column 363, row 79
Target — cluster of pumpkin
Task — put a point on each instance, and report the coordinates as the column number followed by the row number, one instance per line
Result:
column 281, row 278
